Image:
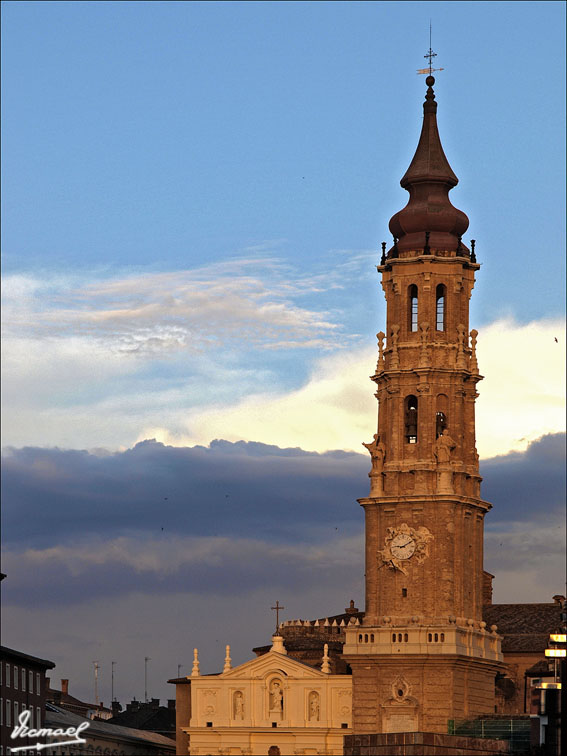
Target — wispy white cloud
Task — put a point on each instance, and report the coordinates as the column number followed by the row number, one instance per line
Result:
column 251, row 301
column 168, row 355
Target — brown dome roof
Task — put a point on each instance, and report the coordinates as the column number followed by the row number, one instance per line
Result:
column 428, row 180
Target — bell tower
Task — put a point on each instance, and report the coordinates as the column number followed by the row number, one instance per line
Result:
column 424, row 656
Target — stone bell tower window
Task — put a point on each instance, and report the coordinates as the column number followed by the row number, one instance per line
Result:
column 411, row 419
column 412, row 307
column 441, row 292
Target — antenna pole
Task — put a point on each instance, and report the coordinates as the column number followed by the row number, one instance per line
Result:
column 146, row 660
column 95, row 663
column 112, row 681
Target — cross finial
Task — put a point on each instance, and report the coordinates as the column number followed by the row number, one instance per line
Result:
column 277, row 609
column 429, row 55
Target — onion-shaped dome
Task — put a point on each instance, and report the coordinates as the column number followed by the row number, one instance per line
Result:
column 429, row 220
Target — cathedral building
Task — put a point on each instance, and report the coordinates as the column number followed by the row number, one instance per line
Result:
column 430, row 650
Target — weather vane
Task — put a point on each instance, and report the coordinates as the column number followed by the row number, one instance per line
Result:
column 430, row 54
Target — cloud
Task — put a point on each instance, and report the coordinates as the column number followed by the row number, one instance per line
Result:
column 250, row 300
column 169, row 508
column 522, row 479
column 226, row 489
column 336, row 409
column 522, row 396
column 247, row 349
column 91, row 575
column 172, row 564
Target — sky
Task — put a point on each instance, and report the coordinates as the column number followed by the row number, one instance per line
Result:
column 193, row 196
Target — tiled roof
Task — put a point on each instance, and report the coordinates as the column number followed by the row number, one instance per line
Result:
column 161, row 719
column 525, row 627
column 61, row 718
column 522, row 619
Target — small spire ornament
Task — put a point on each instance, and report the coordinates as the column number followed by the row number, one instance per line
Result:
column 474, row 362
column 195, row 669
column 325, row 666
column 227, row 661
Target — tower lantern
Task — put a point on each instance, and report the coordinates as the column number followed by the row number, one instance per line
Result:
column 423, row 656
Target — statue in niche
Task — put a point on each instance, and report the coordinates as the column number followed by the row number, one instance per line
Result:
column 314, row 708
column 238, row 706
column 276, row 696
column 443, row 448
column 377, row 453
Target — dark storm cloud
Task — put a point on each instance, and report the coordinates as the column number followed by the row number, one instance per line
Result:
column 53, row 496
column 526, row 485
column 228, row 519
column 220, row 566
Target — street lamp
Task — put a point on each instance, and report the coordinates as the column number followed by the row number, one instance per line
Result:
column 559, row 639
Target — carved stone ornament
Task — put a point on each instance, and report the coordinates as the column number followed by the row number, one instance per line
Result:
column 345, row 705
column 210, row 700
column 394, row 357
column 423, row 355
column 380, row 364
column 400, row 689
column 403, row 543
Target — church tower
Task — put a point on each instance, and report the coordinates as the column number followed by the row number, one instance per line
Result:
column 423, row 655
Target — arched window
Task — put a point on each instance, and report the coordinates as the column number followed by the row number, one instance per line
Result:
column 440, row 297
column 411, row 419
column 412, row 308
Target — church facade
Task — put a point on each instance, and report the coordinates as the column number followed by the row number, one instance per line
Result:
column 427, row 652
column 271, row 702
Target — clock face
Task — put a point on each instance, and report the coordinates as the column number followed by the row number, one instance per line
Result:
column 402, row 546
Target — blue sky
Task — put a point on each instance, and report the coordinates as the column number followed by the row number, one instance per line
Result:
column 193, row 199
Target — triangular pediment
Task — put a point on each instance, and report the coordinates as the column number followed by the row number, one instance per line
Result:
column 273, row 662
